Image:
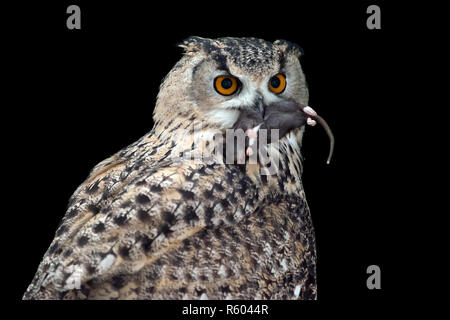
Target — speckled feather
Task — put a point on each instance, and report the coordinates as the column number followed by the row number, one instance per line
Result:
column 147, row 224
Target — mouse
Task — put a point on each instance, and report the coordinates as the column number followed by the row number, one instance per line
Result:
column 284, row 116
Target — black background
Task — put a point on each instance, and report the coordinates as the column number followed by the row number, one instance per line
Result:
column 81, row 95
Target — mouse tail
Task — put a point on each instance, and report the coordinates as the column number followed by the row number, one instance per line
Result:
column 327, row 128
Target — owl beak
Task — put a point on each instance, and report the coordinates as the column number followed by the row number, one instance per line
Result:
column 260, row 106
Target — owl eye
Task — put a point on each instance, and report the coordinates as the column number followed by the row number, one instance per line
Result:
column 226, row 85
column 277, row 83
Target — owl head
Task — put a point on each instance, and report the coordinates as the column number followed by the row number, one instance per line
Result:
column 216, row 78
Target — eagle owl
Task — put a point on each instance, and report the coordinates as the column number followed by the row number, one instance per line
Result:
column 151, row 223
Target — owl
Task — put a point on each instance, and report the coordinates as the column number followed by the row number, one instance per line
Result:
column 160, row 220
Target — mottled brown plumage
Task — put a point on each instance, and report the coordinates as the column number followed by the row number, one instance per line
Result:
column 151, row 223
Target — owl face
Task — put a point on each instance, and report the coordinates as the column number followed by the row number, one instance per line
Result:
column 235, row 74
column 219, row 77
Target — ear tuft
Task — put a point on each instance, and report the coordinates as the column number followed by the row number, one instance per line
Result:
column 193, row 44
column 289, row 47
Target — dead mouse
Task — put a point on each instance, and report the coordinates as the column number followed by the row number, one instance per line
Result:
column 284, row 116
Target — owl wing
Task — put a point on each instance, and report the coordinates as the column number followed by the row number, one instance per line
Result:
column 135, row 208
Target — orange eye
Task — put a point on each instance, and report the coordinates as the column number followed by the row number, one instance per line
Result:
column 277, row 83
column 226, row 85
